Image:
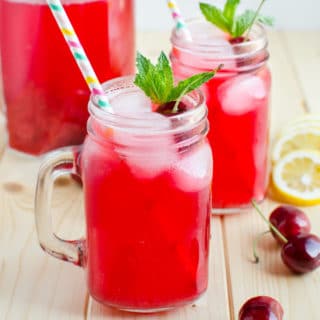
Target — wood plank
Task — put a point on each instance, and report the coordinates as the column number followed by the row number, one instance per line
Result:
column 287, row 98
column 214, row 305
column 270, row 276
column 303, row 48
column 34, row 285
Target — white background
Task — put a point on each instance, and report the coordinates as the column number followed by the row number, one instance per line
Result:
column 289, row 14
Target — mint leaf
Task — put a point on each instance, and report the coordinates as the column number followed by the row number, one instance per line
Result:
column 215, row 16
column 143, row 78
column 230, row 9
column 157, row 80
column 229, row 22
column 245, row 20
column 242, row 22
column 164, row 71
column 190, row 84
column 266, row 20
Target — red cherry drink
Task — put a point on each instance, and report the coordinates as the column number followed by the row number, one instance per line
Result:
column 238, row 106
column 45, row 94
column 147, row 185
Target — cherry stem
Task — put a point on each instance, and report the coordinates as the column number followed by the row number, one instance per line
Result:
column 246, row 38
column 176, row 105
column 272, row 227
column 255, row 244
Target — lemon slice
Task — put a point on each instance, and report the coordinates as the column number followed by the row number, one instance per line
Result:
column 307, row 138
column 296, row 177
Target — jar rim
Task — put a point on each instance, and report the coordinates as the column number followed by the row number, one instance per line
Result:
column 258, row 41
column 137, row 122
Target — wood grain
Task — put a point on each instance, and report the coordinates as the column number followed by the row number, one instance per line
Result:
column 303, row 49
column 287, row 97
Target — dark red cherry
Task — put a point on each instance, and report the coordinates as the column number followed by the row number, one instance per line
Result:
column 237, row 40
column 290, row 221
column 261, row 308
column 166, row 109
column 301, row 253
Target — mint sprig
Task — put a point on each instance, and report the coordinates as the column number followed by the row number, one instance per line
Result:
column 158, row 83
column 227, row 20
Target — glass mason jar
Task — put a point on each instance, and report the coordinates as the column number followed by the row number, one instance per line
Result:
column 147, row 190
column 45, row 94
column 238, row 108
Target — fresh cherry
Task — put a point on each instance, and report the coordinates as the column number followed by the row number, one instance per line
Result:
column 167, row 109
column 290, row 221
column 301, row 253
column 261, row 308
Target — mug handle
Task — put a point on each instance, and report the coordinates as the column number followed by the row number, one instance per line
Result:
column 56, row 164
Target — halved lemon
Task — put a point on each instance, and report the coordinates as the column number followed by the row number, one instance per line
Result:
column 296, row 177
column 307, row 138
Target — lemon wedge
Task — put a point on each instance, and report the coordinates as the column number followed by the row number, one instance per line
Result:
column 296, row 177
column 307, row 138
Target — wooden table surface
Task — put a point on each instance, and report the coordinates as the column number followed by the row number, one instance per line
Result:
column 34, row 285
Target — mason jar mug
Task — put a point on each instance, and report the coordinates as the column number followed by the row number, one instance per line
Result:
column 147, row 189
column 238, row 108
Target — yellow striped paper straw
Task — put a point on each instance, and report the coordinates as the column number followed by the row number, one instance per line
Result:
column 78, row 52
column 178, row 19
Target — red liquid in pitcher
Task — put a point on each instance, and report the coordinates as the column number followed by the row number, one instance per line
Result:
column 45, row 94
column 147, row 223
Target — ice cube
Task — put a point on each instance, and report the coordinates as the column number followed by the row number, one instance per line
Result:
column 151, row 163
column 193, row 171
column 131, row 105
column 147, row 153
column 241, row 94
column 141, row 136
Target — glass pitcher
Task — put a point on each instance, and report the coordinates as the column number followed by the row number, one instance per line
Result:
column 44, row 92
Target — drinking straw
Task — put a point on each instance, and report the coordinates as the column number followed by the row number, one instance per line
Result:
column 179, row 20
column 78, row 52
